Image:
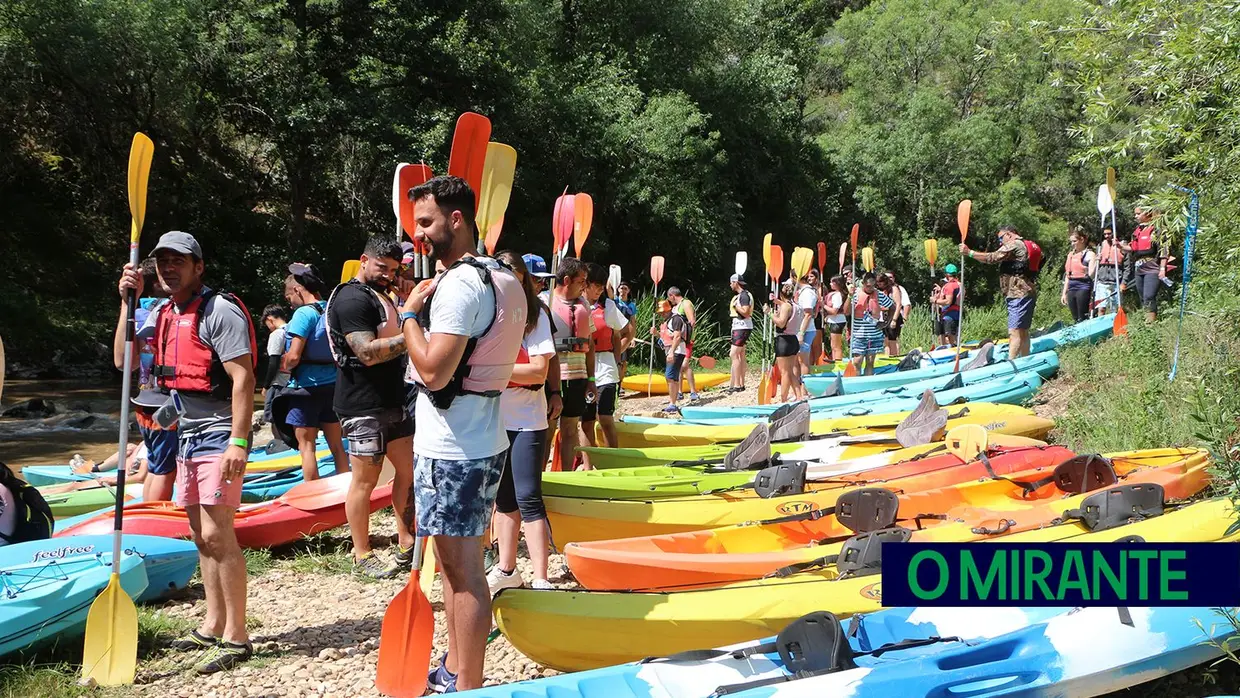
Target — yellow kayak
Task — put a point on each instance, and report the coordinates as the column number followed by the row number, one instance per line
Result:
column 656, row 384
column 990, row 415
column 578, row 630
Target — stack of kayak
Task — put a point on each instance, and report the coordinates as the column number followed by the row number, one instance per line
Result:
column 712, row 549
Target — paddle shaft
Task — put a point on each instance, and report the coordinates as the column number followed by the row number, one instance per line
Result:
column 654, row 320
column 126, row 383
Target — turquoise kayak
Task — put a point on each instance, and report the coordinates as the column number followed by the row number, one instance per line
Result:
column 169, row 562
column 1010, row 390
column 1041, row 362
column 1044, row 364
column 1032, row 652
column 46, row 597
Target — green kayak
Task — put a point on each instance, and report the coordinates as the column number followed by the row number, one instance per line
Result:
column 648, row 482
column 71, row 499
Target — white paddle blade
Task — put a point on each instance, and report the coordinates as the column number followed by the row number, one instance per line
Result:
column 1104, row 200
column 613, row 277
column 742, row 262
column 396, row 192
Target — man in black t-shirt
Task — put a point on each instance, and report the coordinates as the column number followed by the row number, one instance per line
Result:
column 364, row 328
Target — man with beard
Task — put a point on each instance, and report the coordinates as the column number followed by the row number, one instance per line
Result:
column 462, row 343
column 364, row 330
column 205, row 352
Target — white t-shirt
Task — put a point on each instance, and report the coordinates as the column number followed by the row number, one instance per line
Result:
column 472, row 427
column 807, row 302
column 275, row 341
column 904, row 301
column 526, row 410
column 836, row 299
column 605, row 370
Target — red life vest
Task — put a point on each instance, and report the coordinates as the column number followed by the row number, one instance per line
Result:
column 1143, row 242
column 1077, row 268
column 602, row 333
column 575, row 316
column 951, row 290
column 865, row 302
column 183, row 361
column 487, row 363
column 1110, row 254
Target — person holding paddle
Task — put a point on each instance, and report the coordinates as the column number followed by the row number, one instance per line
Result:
column 868, row 306
column 613, row 335
column 364, row 332
column 1111, row 260
column 741, row 310
column 206, row 353
column 947, row 301
column 833, row 306
column 1019, row 261
column 684, row 308
column 463, row 332
column 573, row 328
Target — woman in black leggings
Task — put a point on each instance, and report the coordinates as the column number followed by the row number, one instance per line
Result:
column 1078, row 276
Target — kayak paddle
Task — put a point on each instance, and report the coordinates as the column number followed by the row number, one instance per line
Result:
column 469, row 151
column 498, row 170
column 656, row 275
column 583, row 218
column 110, row 649
column 562, row 223
column 775, row 270
column 962, row 221
column 349, row 270
column 407, row 177
column 492, row 235
column 706, row 362
column 407, row 634
column 802, row 260
column 932, row 256
column 767, row 328
column 742, row 263
column 822, row 258
column 613, row 280
column 851, row 369
column 1120, row 326
column 867, row 258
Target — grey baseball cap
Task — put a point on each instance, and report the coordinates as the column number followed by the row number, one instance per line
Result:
column 736, row 278
column 178, row 241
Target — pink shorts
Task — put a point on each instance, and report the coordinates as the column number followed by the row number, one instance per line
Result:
column 200, row 481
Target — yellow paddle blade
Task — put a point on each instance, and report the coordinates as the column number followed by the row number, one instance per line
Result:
column 110, row 651
column 966, row 441
column 932, row 251
column 867, row 258
column 802, row 259
column 349, row 270
column 427, row 578
column 766, row 250
column 497, row 174
column 140, row 154
column 762, row 390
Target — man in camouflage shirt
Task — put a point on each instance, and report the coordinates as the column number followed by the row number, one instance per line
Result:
column 1017, row 283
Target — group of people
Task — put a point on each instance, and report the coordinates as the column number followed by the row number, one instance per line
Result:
column 1095, row 279
column 487, row 359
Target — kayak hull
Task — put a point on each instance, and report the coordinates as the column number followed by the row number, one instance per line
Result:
column 656, row 384
column 170, row 563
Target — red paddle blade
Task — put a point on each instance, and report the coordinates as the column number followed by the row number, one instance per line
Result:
column 469, row 149
column 1120, row 326
column 583, row 217
column 656, row 269
column 493, row 235
column 562, row 221
column 405, row 643
column 853, row 237
column 408, row 177
column 962, row 218
column 707, row 362
column 822, row 257
column 776, row 268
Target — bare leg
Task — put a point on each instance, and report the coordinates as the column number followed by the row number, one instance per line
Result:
column 214, row 621
column 586, row 437
column 158, row 488
column 357, row 501
column 400, row 455
column 467, row 601
column 507, row 529
column 332, row 432
column 608, row 424
column 306, row 436
column 219, row 543
column 568, row 442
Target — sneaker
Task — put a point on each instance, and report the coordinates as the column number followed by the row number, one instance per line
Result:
column 404, row 559
column 693, row 397
column 374, row 567
column 223, row 657
column 490, row 556
column 541, row 585
column 193, row 642
column 671, row 409
column 440, row 680
column 497, row 580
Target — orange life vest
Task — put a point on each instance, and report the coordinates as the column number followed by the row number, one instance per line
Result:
column 602, row 333
column 1077, row 268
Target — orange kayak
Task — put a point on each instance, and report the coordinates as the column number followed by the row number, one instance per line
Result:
column 974, row 511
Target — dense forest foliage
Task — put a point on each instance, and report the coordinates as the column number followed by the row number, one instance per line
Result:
column 697, row 126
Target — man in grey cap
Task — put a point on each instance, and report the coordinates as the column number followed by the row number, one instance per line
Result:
column 741, row 310
column 205, row 357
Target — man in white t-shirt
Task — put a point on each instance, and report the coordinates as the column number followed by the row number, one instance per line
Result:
column 460, row 442
column 807, row 301
column 613, row 334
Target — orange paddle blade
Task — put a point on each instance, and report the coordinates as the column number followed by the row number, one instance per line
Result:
column 762, row 390
column 772, row 386
column 822, row 257
column 962, row 218
column 469, row 150
column 766, row 250
column 776, row 267
column 405, row 638
column 853, row 237
column 562, row 221
column 706, row 362
column 656, row 269
column 555, row 453
column 493, row 235
column 408, row 177
column 1120, row 326
column 850, row 370
column 583, row 217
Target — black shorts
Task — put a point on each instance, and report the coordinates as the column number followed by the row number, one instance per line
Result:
column 369, row 435
column 786, row 345
column 573, row 394
column 818, row 322
column 893, row 333
column 740, row 337
column 945, row 326
column 604, row 405
column 837, row 327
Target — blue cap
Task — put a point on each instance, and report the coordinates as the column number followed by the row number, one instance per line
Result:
column 536, row 266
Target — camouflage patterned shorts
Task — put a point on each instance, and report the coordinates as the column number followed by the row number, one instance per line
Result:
column 455, row 497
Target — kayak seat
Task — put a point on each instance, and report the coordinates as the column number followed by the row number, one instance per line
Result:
column 780, row 480
column 862, row 555
column 1119, row 506
column 867, row 509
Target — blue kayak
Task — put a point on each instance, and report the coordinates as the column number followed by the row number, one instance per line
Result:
column 39, row 475
column 169, row 562
column 1044, row 364
column 42, row 598
column 978, row 652
column 1011, row 390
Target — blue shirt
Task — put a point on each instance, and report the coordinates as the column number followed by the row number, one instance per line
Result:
column 306, row 324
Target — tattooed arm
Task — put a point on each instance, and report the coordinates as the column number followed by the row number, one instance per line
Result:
column 371, row 351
